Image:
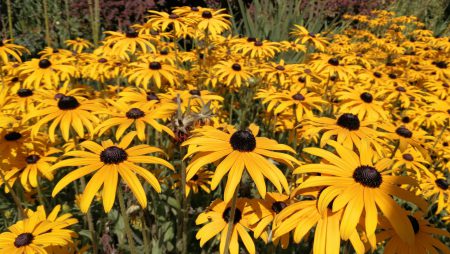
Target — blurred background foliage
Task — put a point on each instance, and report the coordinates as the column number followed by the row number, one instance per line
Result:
column 265, row 19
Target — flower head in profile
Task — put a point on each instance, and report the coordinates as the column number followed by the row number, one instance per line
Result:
column 238, row 150
column 109, row 161
column 79, row 44
column 7, row 48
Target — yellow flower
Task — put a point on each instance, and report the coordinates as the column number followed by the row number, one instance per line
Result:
column 46, row 72
column 10, row 49
column 108, row 161
column 79, row 44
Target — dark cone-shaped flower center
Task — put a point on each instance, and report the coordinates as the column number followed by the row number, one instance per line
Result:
column 155, row 66
column 164, row 52
column 32, row 159
column 132, row 34
column 392, row 76
column 68, row 103
column 236, row 67
column 258, row 43
column 195, row 177
column 113, row 155
column 102, row 60
column 243, row 141
column 367, row 176
column 441, row 64
column 298, row 97
column 404, row 132
column 377, row 74
column 333, row 61
column 366, row 97
column 349, row 121
column 207, row 15
column 280, row 68
column 44, row 63
column 16, row 79
column 414, row 224
column 301, row 79
column 23, row 92
column 135, row 113
column 195, row 92
column 151, row 96
column 227, row 214
column 442, row 183
column 278, row 206
column 251, row 39
column 23, row 239
column 406, row 119
column 173, row 16
column 408, row 157
column 12, row 136
column 400, row 89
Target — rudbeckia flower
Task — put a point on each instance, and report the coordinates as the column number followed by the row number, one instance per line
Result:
column 304, row 36
column 425, row 238
column 232, row 73
column 10, row 49
column 213, row 21
column 48, row 72
column 162, row 20
column 152, row 74
column 66, row 109
column 365, row 104
column 201, row 180
column 129, row 42
column 79, row 44
column 216, row 219
column 354, row 183
column 435, row 188
column 124, row 116
column 240, row 150
column 257, row 49
column 33, row 235
column 108, row 161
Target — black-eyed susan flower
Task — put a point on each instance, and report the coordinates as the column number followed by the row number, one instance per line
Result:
column 7, row 48
column 152, row 74
column 435, row 188
column 365, row 104
column 162, row 20
column 257, row 48
column 66, row 109
column 79, row 44
column 356, row 184
column 125, row 116
column 216, row 220
column 425, row 237
column 232, row 73
column 213, row 21
column 128, row 42
column 108, row 161
column 47, row 72
column 33, row 235
column 304, row 36
column 200, row 181
column 240, row 149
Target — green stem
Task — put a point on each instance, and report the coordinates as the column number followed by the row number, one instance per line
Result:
column 184, row 204
column 441, row 133
column 145, row 231
column 41, row 197
column 46, row 22
column 10, row 23
column 126, row 222
column 397, row 144
column 96, row 21
column 231, row 221
column 16, row 199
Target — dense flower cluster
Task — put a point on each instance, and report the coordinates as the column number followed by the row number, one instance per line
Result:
column 363, row 117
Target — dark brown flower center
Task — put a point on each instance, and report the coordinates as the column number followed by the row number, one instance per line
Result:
column 243, row 141
column 135, row 113
column 227, row 214
column 414, row 224
column 406, row 119
column 195, row 92
column 102, row 60
column 392, row 76
column 207, row 15
column 173, row 16
column 258, row 43
column 366, row 97
column 32, row 159
column 251, row 39
column 23, row 239
column 404, row 132
column 195, row 177
column 113, row 155
column 12, row 136
column 377, row 74
column 298, row 97
column 151, row 96
column 408, row 157
column 236, row 67
column 68, row 103
column 44, row 63
column 333, row 61
column 400, row 89
column 15, row 79
column 301, row 79
column 280, row 68
column 155, row 66
column 132, row 34
column 23, row 92
column 441, row 64
column 442, row 183
column 367, row 176
column 164, row 52
column 278, row 206
column 349, row 121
